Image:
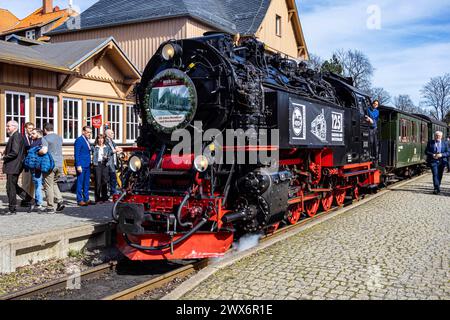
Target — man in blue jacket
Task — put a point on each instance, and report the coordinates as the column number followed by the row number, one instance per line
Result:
column 437, row 153
column 372, row 119
column 83, row 165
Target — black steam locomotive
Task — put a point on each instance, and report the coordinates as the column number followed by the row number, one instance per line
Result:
column 265, row 141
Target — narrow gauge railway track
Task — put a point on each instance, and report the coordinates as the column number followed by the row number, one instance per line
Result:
column 153, row 281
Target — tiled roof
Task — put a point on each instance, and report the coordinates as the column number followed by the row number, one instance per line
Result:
column 64, row 56
column 14, row 38
column 233, row 16
column 38, row 19
column 7, row 19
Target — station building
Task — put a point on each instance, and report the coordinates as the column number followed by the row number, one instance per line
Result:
column 141, row 26
column 68, row 84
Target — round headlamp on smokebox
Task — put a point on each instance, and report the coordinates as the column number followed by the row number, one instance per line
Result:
column 135, row 163
column 171, row 50
column 201, row 163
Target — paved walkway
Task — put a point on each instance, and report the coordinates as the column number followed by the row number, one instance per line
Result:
column 26, row 224
column 396, row 246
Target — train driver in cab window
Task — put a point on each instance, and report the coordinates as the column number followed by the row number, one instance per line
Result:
column 372, row 119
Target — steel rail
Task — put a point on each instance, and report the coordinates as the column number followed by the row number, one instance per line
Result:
column 59, row 284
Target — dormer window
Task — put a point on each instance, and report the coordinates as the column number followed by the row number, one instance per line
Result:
column 278, row 25
column 30, row 34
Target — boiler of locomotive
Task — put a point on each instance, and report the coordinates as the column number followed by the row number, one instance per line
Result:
column 185, row 81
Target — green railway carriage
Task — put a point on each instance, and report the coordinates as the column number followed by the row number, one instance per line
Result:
column 435, row 125
column 403, row 140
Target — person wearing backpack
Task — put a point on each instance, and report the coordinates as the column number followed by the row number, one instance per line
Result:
column 36, row 174
column 52, row 144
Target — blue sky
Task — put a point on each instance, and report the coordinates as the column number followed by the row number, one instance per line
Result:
column 411, row 46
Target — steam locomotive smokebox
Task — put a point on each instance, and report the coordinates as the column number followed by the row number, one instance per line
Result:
column 303, row 122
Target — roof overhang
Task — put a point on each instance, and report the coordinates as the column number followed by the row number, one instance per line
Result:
column 37, row 25
column 298, row 30
column 116, row 53
column 34, row 64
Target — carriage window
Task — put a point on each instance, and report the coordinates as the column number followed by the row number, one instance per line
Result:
column 414, row 132
column 424, row 133
column 403, row 131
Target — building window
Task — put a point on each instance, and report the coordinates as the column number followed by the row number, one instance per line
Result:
column 71, row 119
column 17, row 109
column 132, row 123
column 278, row 25
column 30, row 34
column 115, row 120
column 94, row 108
column 46, row 111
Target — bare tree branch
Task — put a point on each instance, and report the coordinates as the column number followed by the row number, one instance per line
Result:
column 356, row 65
column 381, row 95
column 315, row 62
column 436, row 96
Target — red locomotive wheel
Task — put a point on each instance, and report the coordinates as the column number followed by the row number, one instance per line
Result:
column 327, row 201
column 340, row 197
column 312, row 207
column 273, row 228
column 356, row 193
column 294, row 215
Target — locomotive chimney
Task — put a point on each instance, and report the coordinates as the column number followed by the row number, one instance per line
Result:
column 47, row 6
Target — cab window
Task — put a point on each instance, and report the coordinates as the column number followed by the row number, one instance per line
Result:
column 363, row 105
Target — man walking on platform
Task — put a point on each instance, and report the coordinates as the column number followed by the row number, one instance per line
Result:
column 437, row 158
column 12, row 166
column 83, row 165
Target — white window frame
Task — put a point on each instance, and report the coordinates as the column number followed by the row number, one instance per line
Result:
column 79, row 122
column 130, row 110
column 30, row 34
column 55, row 110
column 118, row 137
column 278, row 25
column 27, row 109
column 89, row 123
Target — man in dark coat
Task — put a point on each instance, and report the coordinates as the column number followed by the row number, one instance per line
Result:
column 12, row 165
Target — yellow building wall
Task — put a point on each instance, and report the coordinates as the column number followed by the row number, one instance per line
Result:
column 267, row 31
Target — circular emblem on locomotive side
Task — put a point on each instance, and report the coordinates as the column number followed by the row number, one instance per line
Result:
column 170, row 101
column 297, row 121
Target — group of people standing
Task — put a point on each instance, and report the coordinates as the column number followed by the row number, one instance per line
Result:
column 45, row 143
column 34, row 182
column 104, row 154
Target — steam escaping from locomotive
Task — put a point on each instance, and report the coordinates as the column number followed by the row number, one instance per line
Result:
column 247, row 242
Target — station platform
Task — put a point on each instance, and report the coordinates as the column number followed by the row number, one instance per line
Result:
column 27, row 238
column 393, row 245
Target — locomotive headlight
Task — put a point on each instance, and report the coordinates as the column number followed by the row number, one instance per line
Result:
column 201, row 163
column 135, row 164
column 171, row 50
